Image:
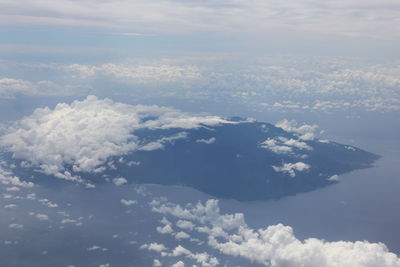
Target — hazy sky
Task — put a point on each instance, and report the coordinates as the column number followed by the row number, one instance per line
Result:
column 168, row 27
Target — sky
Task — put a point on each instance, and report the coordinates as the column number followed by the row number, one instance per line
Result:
column 78, row 77
column 136, row 28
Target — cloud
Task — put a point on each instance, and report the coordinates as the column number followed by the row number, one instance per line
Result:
column 334, row 178
column 159, row 144
column 128, row 202
column 276, row 245
column 48, row 203
column 182, row 235
column 206, row 141
column 305, row 131
column 166, row 229
column 119, row 181
column 290, row 168
column 140, row 74
column 185, row 224
column 83, row 135
column 282, row 145
column 203, row 213
column 42, row 217
column 293, row 84
column 156, row 263
column 178, row 264
column 16, row 226
column 203, row 258
column 154, row 247
column 10, row 206
column 7, row 178
column 10, row 88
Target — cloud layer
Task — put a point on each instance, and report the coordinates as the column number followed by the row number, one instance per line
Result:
column 294, row 84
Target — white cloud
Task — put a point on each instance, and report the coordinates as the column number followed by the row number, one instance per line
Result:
column 42, row 217
column 92, row 248
column 12, row 189
column 83, row 135
column 119, row 181
column 166, row 229
column 185, row 224
column 156, row 263
column 182, row 235
column 31, row 196
column 203, row 213
column 10, row 206
column 65, row 221
column 10, row 88
column 290, row 168
column 202, row 258
column 154, row 247
column 178, row 264
column 305, row 131
column 206, row 141
column 141, row 74
column 159, row 144
column 48, row 203
column 334, row 178
column 282, row 145
column 7, row 178
column 16, row 226
column 128, row 202
column 276, row 245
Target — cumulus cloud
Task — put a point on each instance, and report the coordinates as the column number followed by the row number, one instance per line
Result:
column 182, row 235
column 185, row 224
column 7, row 178
column 166, row 229
column 157, row 263
column 178, row 264
column 282, row 145
column 83, row 135
column 154, row 247
column 305, row 131
column 275, row 245
column 119, row 181
column 202, row 258
column 208, row 213
column 128, row 202
column 290, row 168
